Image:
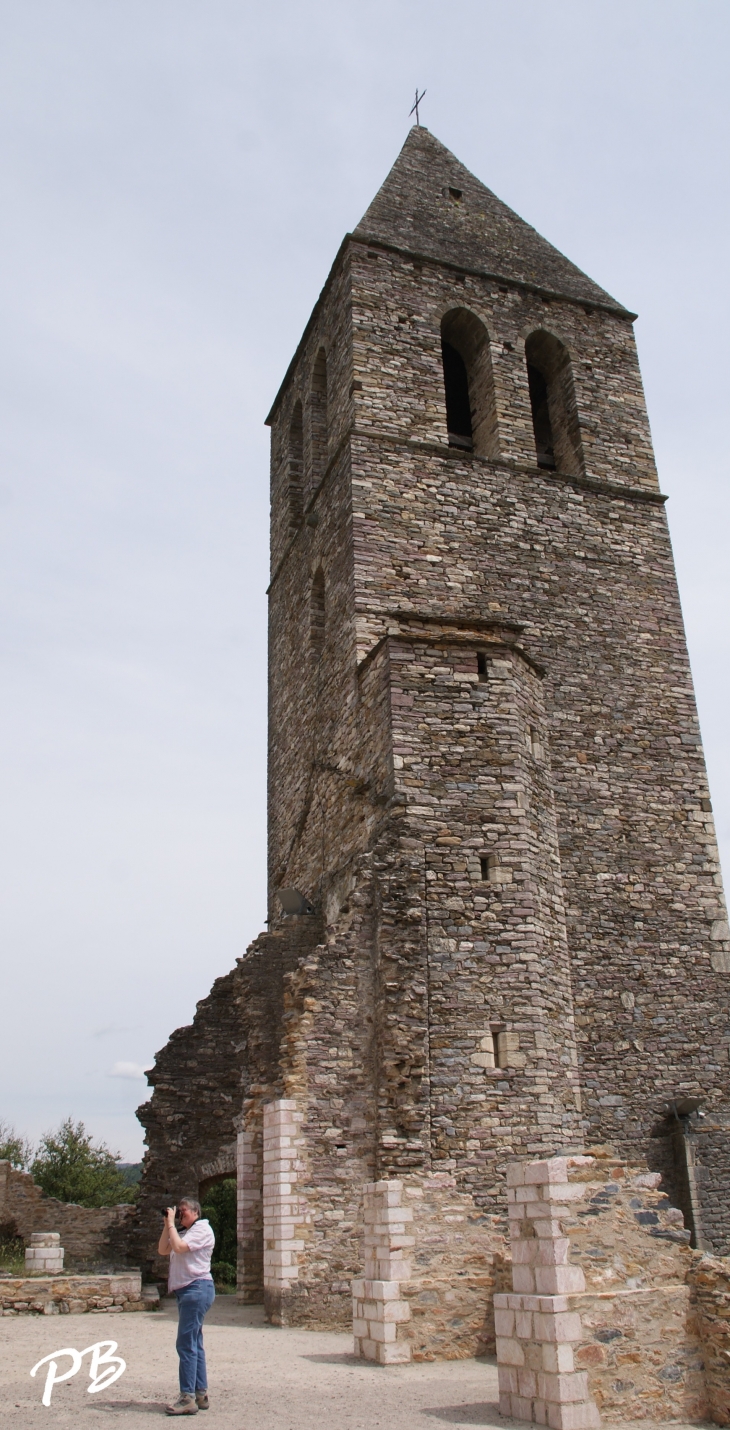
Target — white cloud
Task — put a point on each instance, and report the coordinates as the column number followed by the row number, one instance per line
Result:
column 129, row 1070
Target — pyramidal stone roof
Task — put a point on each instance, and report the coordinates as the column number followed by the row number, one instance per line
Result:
column 431, row 205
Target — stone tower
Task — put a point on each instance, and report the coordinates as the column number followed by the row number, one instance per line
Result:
column 486, row 779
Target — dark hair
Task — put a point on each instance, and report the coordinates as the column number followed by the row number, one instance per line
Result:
column 191, row 1202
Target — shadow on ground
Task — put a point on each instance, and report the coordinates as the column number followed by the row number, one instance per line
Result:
column 484, row 1414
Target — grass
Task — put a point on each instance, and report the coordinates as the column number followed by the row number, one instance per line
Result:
column 12, row 1255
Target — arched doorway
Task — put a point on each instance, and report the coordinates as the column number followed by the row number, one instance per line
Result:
column 218, row 1202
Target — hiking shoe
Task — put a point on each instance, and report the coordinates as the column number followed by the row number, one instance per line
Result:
column 201, row 1400
column 184, row 1405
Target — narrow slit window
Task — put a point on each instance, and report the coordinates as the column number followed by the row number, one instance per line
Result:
column 498, row 1050
column 458, row 409
column 317, row 615
column 484, row 866
column 482, row 666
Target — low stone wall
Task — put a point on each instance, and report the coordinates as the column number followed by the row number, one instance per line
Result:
column 75, row 1295
column 457, row 1258
column 710, row 1287
column 432, row 1263
column 89, row 1235
column 610, row 1312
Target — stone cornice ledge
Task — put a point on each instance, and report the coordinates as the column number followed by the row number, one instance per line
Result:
column 459, row 454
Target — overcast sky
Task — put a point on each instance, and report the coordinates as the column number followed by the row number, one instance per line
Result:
column 176, row 178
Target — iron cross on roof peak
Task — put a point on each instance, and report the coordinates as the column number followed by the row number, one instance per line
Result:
column 419, row 97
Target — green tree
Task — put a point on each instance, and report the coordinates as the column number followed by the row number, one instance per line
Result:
column 13, row 1148
column 68, row 1166
column 220, row 1209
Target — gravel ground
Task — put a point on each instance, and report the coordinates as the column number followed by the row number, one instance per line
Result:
column 259, row 1377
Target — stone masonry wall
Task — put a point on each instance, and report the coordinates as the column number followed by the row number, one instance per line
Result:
column 431, row 1262
column 202, row 1079
column 90, row 1236
column 73, row 1295
column 602, row 1317
column 710, row 1283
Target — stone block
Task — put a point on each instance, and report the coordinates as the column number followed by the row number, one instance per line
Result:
column 507, row 1377
column 383, row 1330
column 563, row 1388
column 552, row 1251
column 510, row 1351
column 557, row 1357
column 557, row 1326
column 526, row 1382
column 521, row 1407
column 559, row 1280
column 582, row 1416
column 554, row 1169
column 523, row 1278
column 504, row 1322
column 394, row 1353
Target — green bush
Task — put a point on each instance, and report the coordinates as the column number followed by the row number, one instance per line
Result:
column 224, row 1275
column 220, row 1209
column 71, row 1168
column 12, row 1255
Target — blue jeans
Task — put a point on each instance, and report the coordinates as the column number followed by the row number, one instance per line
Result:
column 193, row 1303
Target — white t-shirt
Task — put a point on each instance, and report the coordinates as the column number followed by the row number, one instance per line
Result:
column 192, row 1264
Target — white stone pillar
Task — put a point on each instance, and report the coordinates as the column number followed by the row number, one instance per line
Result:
column 536, row 1326
column 282, row 1204
column 44, row 1256
column 379, row 1313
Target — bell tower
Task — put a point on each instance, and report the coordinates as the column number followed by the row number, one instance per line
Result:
column 482, row 716
column 496, row 922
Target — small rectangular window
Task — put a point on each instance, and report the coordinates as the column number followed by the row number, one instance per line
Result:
column 482, row 666
column 484, row 865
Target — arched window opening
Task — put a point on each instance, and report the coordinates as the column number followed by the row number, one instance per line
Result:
column 471, row 419
column 296, row 467
column 458, row 406
column 317, row 614
column 558, row 444
column 544, row 445
column 318, row 416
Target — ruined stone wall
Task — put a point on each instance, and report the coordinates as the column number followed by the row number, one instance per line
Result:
column 73, row 1295
column 90, row 1236
column 710, row 1283
column 203, row 1076
column 602, row 1317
